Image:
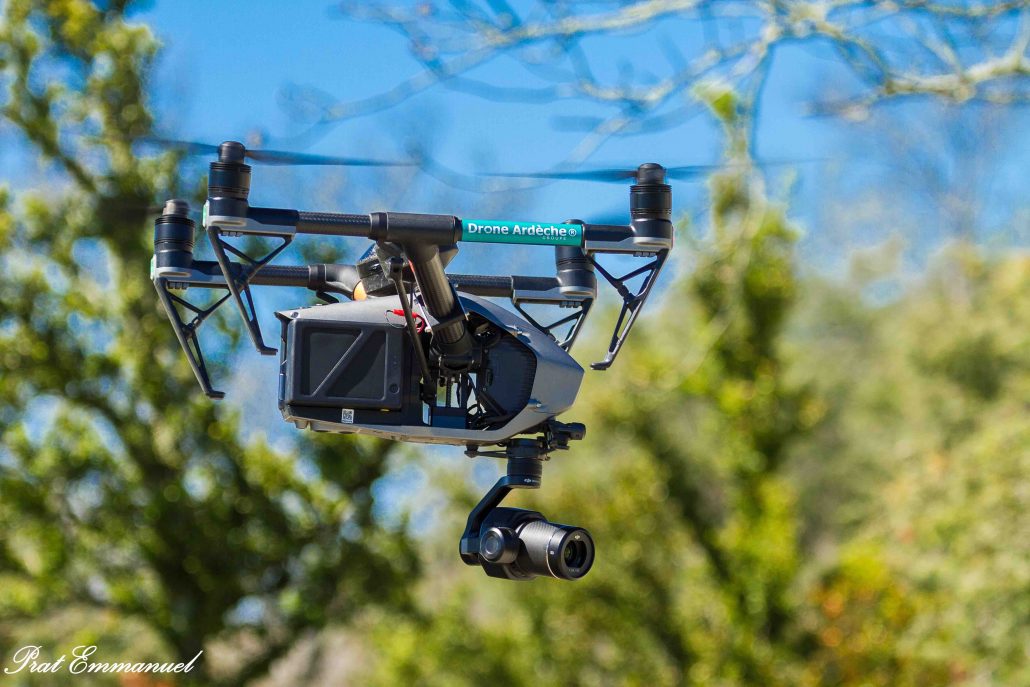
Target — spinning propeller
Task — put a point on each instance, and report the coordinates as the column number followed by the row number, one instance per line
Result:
column 276, row 157
column 682, row 173
column 611, row 175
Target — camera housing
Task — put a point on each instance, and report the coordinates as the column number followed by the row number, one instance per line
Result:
column 519, row 544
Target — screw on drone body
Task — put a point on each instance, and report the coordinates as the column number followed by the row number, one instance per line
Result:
column 519, row 332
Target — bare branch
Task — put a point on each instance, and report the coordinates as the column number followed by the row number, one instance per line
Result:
column 897, row 48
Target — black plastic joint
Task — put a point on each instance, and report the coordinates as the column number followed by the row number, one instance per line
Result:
column 173, row 236
column 380, row 226
column 412, row 229
column 316, row 277
column 224, row 206
column 575, row 272
column 458, row 316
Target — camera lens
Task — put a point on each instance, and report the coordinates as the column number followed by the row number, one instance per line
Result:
column 569, row 550
column 575, row 554
column 499, row 545
column 533, row 546
column 491, row 546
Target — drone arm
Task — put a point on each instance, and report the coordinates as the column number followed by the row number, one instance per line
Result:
column 333, row 224
column 408, row 229
column 207, row 274
column 283, row 275
column 395, row 227
column 340, row 279
column 492, row 286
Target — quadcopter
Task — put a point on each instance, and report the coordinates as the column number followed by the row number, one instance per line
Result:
column 399, row 348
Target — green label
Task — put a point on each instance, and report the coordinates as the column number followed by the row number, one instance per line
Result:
column 538, row 233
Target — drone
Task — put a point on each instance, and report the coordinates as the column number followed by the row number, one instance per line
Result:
column 398, row 348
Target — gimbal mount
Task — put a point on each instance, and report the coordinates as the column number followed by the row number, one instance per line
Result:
column 519, row 544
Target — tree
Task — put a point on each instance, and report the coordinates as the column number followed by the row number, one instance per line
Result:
column 681, row 480
column 122, row 490
column 929, row 583
column 786, row 484
column 957, row 52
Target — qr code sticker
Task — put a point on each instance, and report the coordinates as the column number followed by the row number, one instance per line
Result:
column 347, row 416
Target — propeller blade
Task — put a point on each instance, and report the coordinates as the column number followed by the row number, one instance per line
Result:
column 618, row 215
column 608, row 175
column 279, row 157
column 276, row 157
column 143, row 209
column 687, row 172
column 187, row 147
column 126, row 212
column 612, row 175
column 682, row 173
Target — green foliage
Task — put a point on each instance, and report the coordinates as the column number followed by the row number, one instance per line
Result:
column 681, row 482
column 124, row 494
column 787, row 485
column 932, row 584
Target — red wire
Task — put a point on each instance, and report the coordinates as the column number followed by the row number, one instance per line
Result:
column 420, row 322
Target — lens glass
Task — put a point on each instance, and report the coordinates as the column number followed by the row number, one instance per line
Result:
column 491, row 546
column 575, row 554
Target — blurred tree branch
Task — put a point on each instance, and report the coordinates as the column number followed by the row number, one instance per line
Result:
column 956, row 51
column 121, row 486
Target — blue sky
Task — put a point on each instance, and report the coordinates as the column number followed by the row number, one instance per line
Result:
column 224, row 67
